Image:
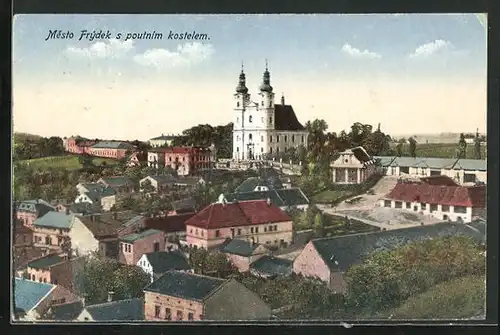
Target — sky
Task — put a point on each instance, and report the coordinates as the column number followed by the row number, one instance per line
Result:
column 412, row 73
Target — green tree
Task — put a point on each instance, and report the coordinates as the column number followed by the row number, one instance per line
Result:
column 214, row 264
column 86, row 161
column 412, row 147
column 462, row 147
column 477, row 146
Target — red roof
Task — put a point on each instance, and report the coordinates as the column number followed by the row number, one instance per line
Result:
column 170, row 223
column 440, row 195
column 439, row 180
column 237, row 214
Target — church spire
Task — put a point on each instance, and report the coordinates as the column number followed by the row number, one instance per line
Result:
column 242, row 87
column 266, row 81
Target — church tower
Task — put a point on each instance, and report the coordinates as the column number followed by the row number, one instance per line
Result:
column 266, row 104
column 241, row 99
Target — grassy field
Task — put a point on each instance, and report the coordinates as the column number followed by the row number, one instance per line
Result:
column 328, row 196
column 457, row 299
column 439, row 150
column 69, row 162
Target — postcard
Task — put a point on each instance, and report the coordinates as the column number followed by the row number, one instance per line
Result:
column 194, row 168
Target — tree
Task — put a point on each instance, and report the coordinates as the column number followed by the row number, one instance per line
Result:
column 399, row 149
column 462, row 147
column 86, row 161
column 477, row 146
column 215, row 264
column 412, row 147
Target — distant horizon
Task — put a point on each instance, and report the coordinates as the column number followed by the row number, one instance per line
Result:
column 412, row 73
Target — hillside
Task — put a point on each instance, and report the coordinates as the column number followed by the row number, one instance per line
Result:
column 25, row 136
column 456, row 299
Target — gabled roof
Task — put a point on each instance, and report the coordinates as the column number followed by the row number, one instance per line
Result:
column 185, row 285
column 360, row 154
column 341, row 252
column 55, row 220
column 285, row 119
column 472, row 164
column 28, row 294
column 66, row 312
column 104, row 225
column 164, row 261
column 121, row 310
column 239, row 247
column 282, row 197
column 131, row 238
column 169, row 223
column 112, row 145
column 117, row 181
column 46, row 262
column 238, row 214
column 439, row 195
column 270, row 266
column 251, row 183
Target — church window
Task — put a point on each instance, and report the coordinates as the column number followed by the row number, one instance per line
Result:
column 286, row 138
column 293, row 138
column 237, row 104
column 261, row 149
column 237, row 149
column 250, row 137
column 262, row 138
column 270, row 139
column 270, row 104
column 250, row 119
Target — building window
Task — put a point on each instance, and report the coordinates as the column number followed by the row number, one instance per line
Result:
column 237, row 104
column 251, row 230
column 270, row 150
column 278, row 150
column 250, row 137
column 408, row 205
column 286, row 137
column 261, row 149
column 256, row 230
column 265, row 229
column 239, row 231
column 196, row 232
column 434, row 208
column 190, row 316
column 293, row 138
column 217, row 233
column 250, row 118
column 277, row 138
column 262, row 138
column 238, row 138
column 275, row 228
column 157, row 311
column 202, row 233
column 33, row 277
column 237, row 149
column 271, row 139
column 460, row 209
column 445, row 208
column 180, row 315
column 302, row 138
column 423, row 206
column 271, row 119
column 168, row 314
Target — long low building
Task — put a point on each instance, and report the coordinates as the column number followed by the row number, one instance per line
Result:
column 463, row 171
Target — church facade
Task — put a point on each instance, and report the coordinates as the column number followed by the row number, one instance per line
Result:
column 263, row 129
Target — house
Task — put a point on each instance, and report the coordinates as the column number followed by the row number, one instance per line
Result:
column 52, row 232
column 33, row 299
column 96, row 194
column 353, row 166
column 461, row 170
column 120, row 310
column 456, row 203
column 188, row 160
column 257, row 221
column 180, row 296
column 30, row 210
column 78, row 145
column 259, row 184
column 138, row 158
column 23, row 235
column 284, row 198
column 22, row 255
column 173, row 226
column 162, row 141
column 157, row 263
column 187, row 205
column 271, row 267
column 156, row 157
column 328, row 258
column 111, row 149
column 65, row 312
column 241, row 253
column 56, row 269
column 159, row 183
column 133, row 246
column 120, row 184
column 101, row 233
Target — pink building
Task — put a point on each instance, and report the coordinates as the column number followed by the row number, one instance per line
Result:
column 133, row 246
column 256, row 221
column 188, row 160
column 29, row 210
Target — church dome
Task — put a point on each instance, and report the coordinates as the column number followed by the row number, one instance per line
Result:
column 266, row 82
column 241, row 88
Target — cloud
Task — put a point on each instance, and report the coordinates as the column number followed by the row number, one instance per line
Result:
column 185, row 55
column 354, row 52
column 428, row 49
column 101, row 50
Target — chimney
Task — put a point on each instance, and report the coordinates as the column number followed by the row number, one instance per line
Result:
column 282, row 99
column 269, row 201
column 110, row 296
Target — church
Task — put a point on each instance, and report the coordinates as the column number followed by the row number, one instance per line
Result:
column 263, row 129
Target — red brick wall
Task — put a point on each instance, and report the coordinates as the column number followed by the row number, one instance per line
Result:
column 175, row 304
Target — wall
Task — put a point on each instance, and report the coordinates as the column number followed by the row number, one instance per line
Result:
column 310, row 264
column 26, row 217
column 43, row 232
column 82, row 239
column 175, row 304
column 23, row 238
column 337, row 283
column 284, row 232
column 108, row 202
column 235, row 302
column 64, row 273
column 425, row 209
column 142, row 247
column 41, row 275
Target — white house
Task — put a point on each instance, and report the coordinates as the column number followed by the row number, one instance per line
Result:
column 157, row 263
column 156, row 158
column 262, row 127
column 353, row 166
column 455, row 203
column 158, row 182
